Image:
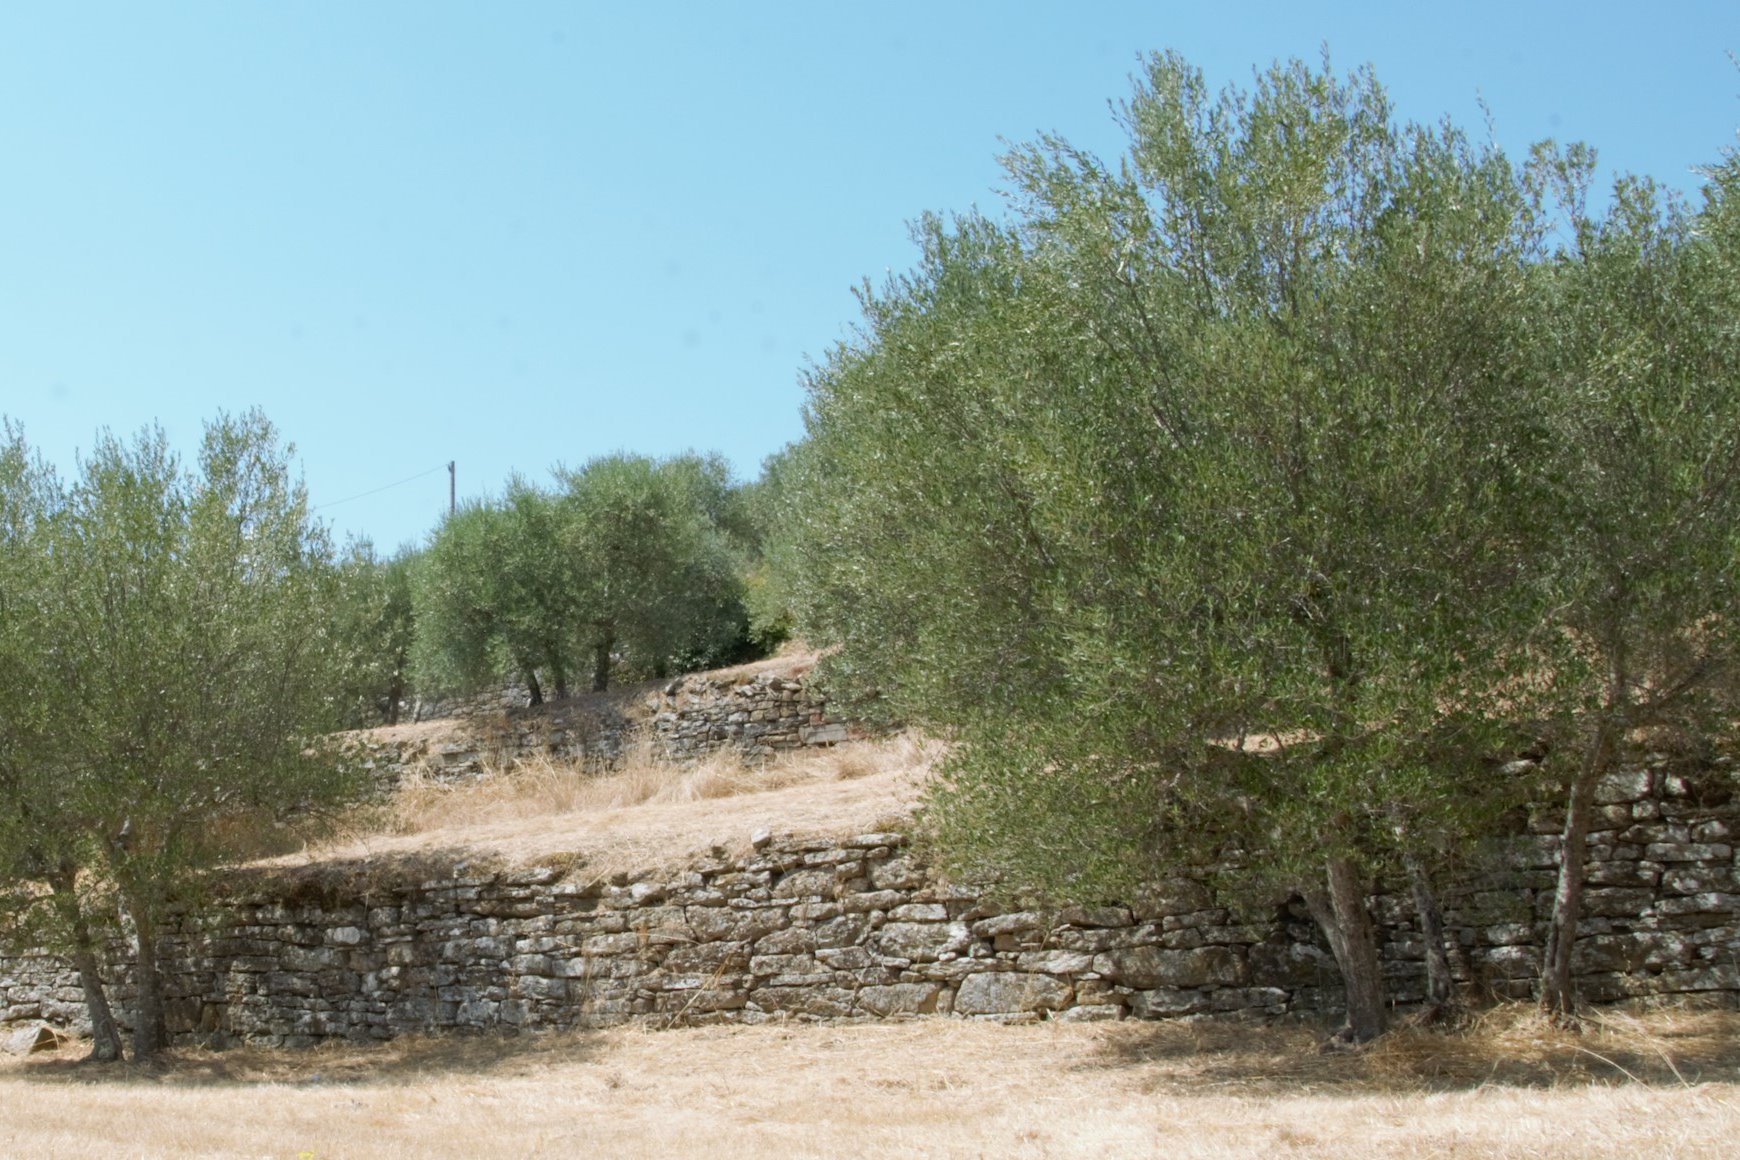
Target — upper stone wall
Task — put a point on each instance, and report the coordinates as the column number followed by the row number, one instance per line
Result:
column 759, row 710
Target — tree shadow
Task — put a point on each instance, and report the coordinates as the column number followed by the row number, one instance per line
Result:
column 1507, row 1046
column 407, row 1059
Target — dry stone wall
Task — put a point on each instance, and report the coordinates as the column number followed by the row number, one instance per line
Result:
column 860, row 928
column 759, row 714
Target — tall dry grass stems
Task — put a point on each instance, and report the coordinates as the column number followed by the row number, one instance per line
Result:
column 544, row 787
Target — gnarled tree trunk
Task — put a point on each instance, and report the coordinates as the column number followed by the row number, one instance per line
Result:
column 601, row 663
column 1340, row 911
column 1557, row 999
column 150, row 1027
column 105, row 1034
column 1440, row 984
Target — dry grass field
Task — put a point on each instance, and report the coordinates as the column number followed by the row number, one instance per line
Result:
column 1665, row 1083
column 641, row 813
column 1661, row 1085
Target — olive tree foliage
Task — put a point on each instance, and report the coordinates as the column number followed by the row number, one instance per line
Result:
column 654, row 550
column 374, row 618
column 1184, row 498
column 762, row 503
column 629, row 564
column 1645, row 373
column 44, row 834
column 493, row 597
column 188, row 669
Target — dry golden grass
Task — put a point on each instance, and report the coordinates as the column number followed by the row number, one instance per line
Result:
column 642, row 814
column 934, row 1087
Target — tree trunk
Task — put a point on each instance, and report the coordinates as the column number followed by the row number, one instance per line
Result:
column 395, row 694
column 537, row 694
column 105, row 1034
column 1341, row 913
column 1557, row 1000
column 150, row 1029
column 1440, row 984
column 601, row 664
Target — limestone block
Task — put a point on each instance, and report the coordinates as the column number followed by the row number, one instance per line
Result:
column 533, row 987
column 702, row 1000
column 1626, row 785
column 1091, row 941
column 899, row 999
column 1100, row 916
column 1055, row 962
column 1689, row 852
column 1622, row 874
column 1013, row 923
column 767, row 965
column 849, row 958
column 1514, row 962
column 826, row 1002
column 1266, row 999
column 1149, row 967
column 1697, row 880
column 827, row 733
column 812, row 884
column 1617, row 901
column 34, row 1038
column 791, row 941
column 922, row 941
column 1706, row 903
column 1008, row 992
column 1167, row 1004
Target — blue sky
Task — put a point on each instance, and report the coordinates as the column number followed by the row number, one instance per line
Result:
column 518, row 234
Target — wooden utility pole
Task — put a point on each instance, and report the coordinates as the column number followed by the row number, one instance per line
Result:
column 452, row 486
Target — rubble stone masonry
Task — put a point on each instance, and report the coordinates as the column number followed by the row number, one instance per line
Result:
column 860, row 928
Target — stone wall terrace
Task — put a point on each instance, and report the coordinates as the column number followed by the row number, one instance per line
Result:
column 820, row 928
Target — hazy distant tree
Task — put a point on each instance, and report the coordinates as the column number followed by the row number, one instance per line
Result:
column 492, row 597
column 765, row 598
column 650, row 553
column 374, row 620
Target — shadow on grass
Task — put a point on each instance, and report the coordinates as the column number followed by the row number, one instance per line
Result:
column 404, row 1060
column 1506, row 1046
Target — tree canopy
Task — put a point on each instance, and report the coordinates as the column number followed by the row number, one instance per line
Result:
column 1214, row 495
column 167, row 678
column 630, row 564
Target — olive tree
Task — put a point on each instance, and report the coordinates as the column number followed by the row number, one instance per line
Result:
column 182, row 664
column 375, row 621
column 493, row 597
column 43, row 843
column 652, row 554
column 1184, row 498
column 1645, row 572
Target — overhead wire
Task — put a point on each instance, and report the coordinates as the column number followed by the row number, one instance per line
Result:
column 378, row 490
